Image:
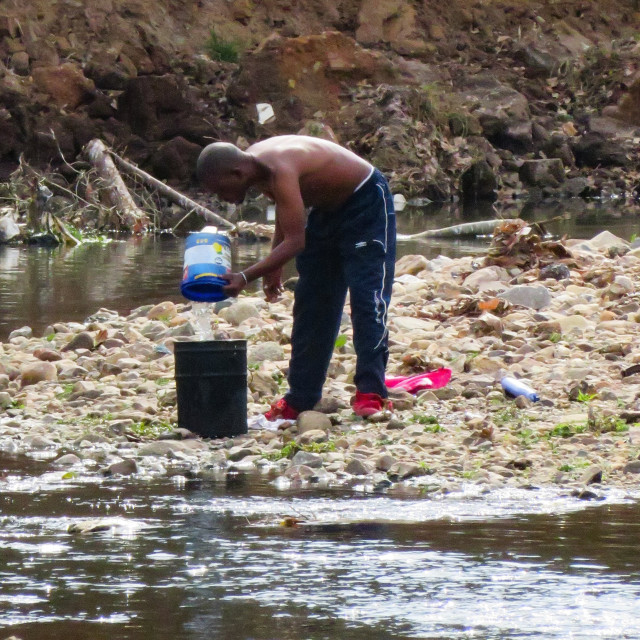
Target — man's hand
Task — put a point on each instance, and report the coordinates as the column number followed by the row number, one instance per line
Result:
column 272, row 285
column 236, row 284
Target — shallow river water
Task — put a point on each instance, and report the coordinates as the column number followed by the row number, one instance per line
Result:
column 40, row 286
column 193, row 559
column 189, row 559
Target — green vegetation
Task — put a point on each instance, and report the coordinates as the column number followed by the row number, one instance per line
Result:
column 161, row 382
column 432, row 424
column 341, row 340
column 291, row 448
column 151, row 429
column 67, row 390
column 585, row 397
column 221, row 49
column 574, row 465
column 566, row 430
column 555, row 337
column 527, row 437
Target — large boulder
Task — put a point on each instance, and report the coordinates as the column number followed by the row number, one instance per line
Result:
column 478, row 183
column 595, row 150
column 503, row 112
column 65, row 84
column 548, row 172
column 391, row 22
column 175, row 159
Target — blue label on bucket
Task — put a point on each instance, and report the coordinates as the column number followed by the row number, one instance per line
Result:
column 207, row 256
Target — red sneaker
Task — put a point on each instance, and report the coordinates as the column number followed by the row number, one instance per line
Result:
column 366, row 404
column 281, row 410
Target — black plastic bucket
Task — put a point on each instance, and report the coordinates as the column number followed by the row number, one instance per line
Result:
column 211, row 384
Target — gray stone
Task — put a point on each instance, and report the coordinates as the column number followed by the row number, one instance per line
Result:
column 313, row 421
column 329, row 404
column 5, row 400
column 548, row 172
column 38, row 372
column 357, row 467
column 125, row 467
column 384, row 462
column 632, row 467
column 530, row 296
column 239, row 312
column 20, row 63
column 411, row 264
column 262, row 383
column 403, row 470
column 82, row 340
column 314, row 435
column 592, row 475
column 119, row 427
column 594, row 150
column 478, row 183
column 402, row 400
column 239, row 452
column 22, row 332
column 67, row 460
column 556, row 271
column 299, row 472
column 40, row 443
column 482, row 278
column 265, row 351
column 161, row 448
column 305, row 458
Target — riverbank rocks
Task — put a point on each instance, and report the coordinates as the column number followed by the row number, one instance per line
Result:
column 111, row 410
column 313, row 421
column 530, row 296
column 542, row 173
column 239, row 312
column 66, row 84
column 83, row 340
column 37, row 372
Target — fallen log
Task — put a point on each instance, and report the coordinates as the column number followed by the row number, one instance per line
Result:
column 171, row 194
column 114, row 188
column 481, row 228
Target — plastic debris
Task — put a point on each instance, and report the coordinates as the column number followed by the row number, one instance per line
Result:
column 399, row 202
column 413, row 384
column 265, row 112
column 515, row 388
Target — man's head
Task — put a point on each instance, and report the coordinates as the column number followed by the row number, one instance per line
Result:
column 226, row 171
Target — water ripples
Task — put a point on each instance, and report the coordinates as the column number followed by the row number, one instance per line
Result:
column 204, row 560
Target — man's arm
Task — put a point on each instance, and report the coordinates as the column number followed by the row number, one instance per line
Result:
column 290, row 224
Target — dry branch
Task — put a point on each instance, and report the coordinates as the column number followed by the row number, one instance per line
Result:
column 171, row 194
column 117, row 194
column 467, row 229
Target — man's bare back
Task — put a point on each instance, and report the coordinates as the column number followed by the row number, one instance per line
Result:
column 327, row 173
column 296, row 172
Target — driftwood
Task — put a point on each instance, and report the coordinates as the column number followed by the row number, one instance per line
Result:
column 116, row 192
column 171, row 194
column 481, row 228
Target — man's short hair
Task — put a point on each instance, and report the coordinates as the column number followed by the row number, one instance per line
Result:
column 217, row 159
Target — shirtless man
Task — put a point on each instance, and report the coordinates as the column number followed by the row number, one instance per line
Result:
column 346, row 243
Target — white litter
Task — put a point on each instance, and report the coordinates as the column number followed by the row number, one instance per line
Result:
column 265, row 112
column 399, row 202
column 261, row 423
